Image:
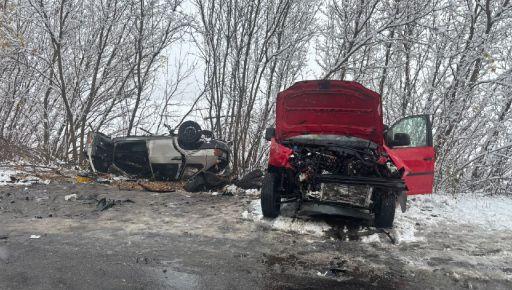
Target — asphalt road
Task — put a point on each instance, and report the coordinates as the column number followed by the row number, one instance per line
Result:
column 181, row 240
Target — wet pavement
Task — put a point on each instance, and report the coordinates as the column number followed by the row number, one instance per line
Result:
column 181, row 240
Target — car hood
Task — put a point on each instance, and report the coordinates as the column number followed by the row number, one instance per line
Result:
column 329, row 107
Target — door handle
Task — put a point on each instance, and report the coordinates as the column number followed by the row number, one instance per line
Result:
column 428, row 158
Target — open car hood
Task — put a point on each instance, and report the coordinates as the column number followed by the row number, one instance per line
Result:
column 329, row 107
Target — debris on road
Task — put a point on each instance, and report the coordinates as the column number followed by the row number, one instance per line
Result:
column 152, row 186
column 158, row 186
column 106, row 203
column 204, row 181
column 85, row 177
column 35, row 236
column 251, row 180
column 70, row 196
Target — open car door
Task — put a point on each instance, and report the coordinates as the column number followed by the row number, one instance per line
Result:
column 409, row 144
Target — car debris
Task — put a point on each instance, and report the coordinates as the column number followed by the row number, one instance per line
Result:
column 154, row 186
column 205, row 181
column 189, row 153
column 70, row 196
column 252, row 180
column 106, row 203
column 331, row 150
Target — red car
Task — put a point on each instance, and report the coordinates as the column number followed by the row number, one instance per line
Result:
column 331, row 152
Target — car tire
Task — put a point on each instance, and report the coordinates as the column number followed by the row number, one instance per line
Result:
column 384, row 209
column 270, row 196
column 189, row 133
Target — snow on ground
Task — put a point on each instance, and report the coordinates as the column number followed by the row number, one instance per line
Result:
column 5, row 175
column 286, row 221
column 235, row 190
column 373, row 238
column 17, row 177
column 489, row 212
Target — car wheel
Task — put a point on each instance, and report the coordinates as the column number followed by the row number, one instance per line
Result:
column 384, row 209
column 189, row 132
column 270, row 196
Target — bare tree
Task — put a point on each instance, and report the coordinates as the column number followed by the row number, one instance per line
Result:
column 251, row 50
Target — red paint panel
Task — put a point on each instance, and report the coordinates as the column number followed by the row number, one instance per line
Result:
column 329, row 107
column 418, row 164
column 279, row 155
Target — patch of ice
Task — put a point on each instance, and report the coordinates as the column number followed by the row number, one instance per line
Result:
column 285, row 222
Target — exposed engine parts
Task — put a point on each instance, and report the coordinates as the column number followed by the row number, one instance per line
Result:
column 310, row 161
column 340, row 174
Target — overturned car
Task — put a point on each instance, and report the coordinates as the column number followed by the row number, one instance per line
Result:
column 190, row 153
column 331, row 152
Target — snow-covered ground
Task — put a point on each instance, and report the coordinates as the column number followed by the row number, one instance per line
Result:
column 5, row 175
column 286, row 221
column 11, row 176
column 488, row 212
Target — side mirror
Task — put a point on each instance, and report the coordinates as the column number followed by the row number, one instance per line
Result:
column 401, row 139
column 270, row 133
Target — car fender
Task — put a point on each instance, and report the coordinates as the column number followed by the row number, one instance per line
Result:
column 397, row 160
column 279, row 155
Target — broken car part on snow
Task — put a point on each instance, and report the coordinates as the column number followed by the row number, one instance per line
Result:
column 331, row 152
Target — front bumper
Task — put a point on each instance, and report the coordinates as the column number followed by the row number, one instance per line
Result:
column 394, row 184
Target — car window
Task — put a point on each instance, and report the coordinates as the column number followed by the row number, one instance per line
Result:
column 415, row 127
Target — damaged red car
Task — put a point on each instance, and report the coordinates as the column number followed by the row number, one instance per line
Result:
column 331, row 152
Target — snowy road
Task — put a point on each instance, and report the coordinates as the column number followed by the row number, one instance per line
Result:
column 204, row 241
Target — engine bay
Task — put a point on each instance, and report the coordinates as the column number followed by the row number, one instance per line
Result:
column 336, row 173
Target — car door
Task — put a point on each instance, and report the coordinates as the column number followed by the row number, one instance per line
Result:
column 418, row 157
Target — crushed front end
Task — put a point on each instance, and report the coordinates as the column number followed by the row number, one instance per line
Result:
column 336, row 174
